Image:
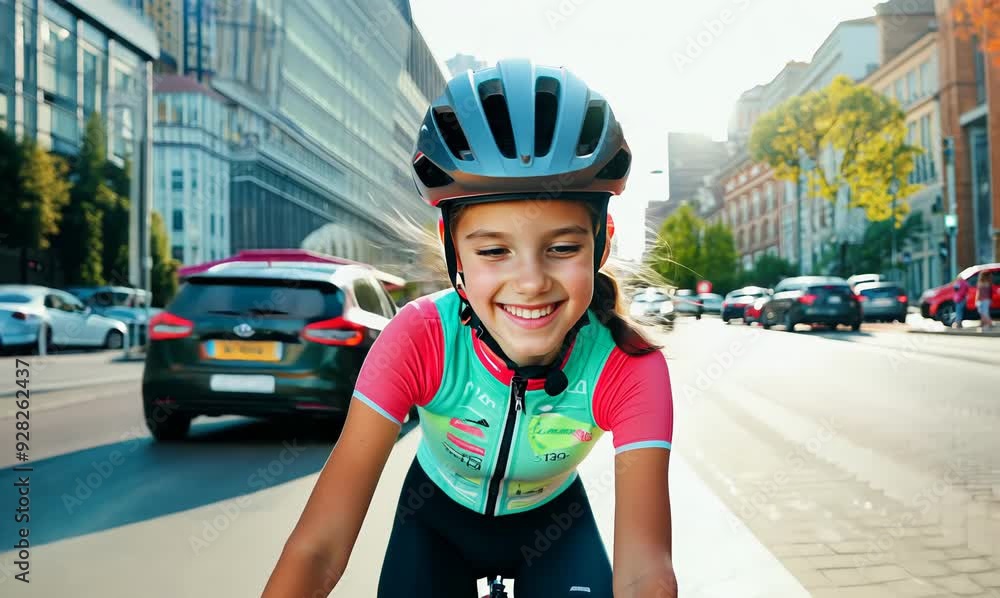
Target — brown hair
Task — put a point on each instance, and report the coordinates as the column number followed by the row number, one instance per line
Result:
column 607, row 302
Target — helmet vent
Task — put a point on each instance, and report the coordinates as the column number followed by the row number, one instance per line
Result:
column 498, row 116
column 451, row 131
column 546, row 110
column 429, row 173
column 617, row 167
column 593, row 126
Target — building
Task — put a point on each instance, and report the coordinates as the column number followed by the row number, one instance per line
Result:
column 909, row 75
column 191, row 166
column 320, row 107
column 690, row 157
column 63, row 60
column 463, row 62
column 970, row 111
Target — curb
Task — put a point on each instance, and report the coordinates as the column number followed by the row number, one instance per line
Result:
column 993, row 334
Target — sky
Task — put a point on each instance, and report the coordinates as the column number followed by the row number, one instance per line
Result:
column 663, row 65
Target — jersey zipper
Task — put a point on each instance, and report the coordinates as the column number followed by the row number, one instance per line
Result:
column 518, row 386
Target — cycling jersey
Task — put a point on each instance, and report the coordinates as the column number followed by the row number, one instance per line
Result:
column 493, row 441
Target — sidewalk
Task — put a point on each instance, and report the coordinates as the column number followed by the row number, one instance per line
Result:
column 230, row 548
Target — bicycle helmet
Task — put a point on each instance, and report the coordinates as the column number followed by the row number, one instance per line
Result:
column 519, row 131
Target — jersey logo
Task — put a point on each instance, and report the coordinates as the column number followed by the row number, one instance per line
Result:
column 580, row 388
column 481, row 422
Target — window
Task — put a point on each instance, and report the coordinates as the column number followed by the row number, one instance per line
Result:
column 900, row 92
column 93, row 77
column 177, row 180
column 177, row 252
column 980, row 65
column 211, row 226
column 756, row 203
column 194, row 178
column 161, row 111
column 178, row 220
column 367, row 297
column 911, row 82
column 770, row 197
column 928, row 74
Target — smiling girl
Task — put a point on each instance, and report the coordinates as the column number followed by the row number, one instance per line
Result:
column 516, row 372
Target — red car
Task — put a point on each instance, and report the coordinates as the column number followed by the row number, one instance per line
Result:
column 751, row 313
column 937, row 303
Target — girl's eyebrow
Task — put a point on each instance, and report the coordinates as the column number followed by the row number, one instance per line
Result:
column 492, row 234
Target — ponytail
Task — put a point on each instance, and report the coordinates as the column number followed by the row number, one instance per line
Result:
column 607, row 305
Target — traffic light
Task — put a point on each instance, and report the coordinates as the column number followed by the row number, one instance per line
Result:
column 943, row 249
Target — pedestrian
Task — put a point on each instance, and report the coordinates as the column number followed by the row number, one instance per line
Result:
column 984, row 297
column 959, row 295
column 515, row 372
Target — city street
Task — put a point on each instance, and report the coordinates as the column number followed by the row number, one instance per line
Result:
column 816, row 463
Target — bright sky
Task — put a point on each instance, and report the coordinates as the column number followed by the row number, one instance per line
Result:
column 664, row 65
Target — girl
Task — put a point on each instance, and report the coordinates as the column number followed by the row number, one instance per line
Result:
column 984, row 296
column 515, row 373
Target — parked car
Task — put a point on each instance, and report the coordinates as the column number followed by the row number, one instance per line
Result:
column 686, row 302
column 261, row 341
column 125, row 304
column 736, row 301
column 711, row 303
column 826, row 300
column 937, row 303
column 653, row 306
column 882, row 301
column 854, row 281
column 752, row 313
column 30, row 312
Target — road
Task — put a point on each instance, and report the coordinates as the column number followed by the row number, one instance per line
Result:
column 814, row 463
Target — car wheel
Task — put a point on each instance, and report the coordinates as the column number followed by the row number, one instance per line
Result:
column 946, row 313
column 166, row 426
column 43, row 347
column 789, row 323
column 725, row 320
column 115, row 340
column 856, row 326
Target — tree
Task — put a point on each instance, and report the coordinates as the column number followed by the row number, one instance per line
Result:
column 688, row 250
column 115, row 225
column 163, row 281
column 35, row 190
column 94, row 242
column 675, row 256
column 843, row 135
column 769, row 270
column 874, row 252
column 979, row 19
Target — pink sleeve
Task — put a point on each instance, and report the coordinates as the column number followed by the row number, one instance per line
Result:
column 633, row 400
column 403, row 367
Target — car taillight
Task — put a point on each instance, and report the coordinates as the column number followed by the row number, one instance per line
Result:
column 336, row 331
column 19, row 315
column 807, row 299
column 165, row 326
column 861, row 298
column 724, row 304
column 902, row 298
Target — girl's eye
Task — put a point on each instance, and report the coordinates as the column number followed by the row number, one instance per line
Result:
column 495, row 252
column 566, row 249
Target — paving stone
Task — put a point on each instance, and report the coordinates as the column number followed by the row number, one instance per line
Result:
column 989, row 580
column 959, row 584
column 978, row 565
column 866, row 576
column 797, row 550
column 914, row 588
column 922, row 568
column 862, row 547
column 837, row 561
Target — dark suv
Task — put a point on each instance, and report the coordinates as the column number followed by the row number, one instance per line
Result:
column 826, row 300
column 261, row 340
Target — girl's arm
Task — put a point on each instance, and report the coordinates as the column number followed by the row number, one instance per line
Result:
column 643, row 567
column 315, row 555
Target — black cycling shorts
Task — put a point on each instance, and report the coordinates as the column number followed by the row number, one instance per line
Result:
column 439, row 548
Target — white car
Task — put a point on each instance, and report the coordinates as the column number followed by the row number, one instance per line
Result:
column 29, row 312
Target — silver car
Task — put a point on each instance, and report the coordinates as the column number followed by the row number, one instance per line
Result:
column 29, row 313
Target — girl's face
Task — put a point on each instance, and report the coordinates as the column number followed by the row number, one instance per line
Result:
column 528, row 269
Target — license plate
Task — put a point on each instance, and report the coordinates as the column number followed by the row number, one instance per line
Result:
column 882, row 302
column 244, row 350
column 236, row 383
column 833, row 299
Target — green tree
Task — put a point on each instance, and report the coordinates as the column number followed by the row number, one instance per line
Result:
column 163, row 281
column 94, row 243
column 769, row 270
column 845, row 135
column 874, row 252
column 688, row 250
column 35, row 190
column 675, row 256
column 718, row 260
